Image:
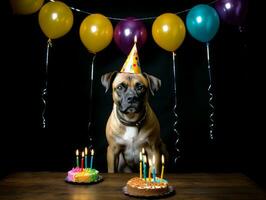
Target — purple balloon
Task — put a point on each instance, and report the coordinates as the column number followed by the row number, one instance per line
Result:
column 232, row 11
column 126, row 30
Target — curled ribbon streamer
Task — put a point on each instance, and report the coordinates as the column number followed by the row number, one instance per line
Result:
column 90, row 103
column 44, row 92
column 177, row 142
column 211, row 106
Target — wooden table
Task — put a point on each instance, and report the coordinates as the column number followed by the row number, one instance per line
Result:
column 192, row 186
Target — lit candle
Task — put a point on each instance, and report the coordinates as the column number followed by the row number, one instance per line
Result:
column 82, row 160
column 143, row 154
column 162, row 167
column 140, row 165
column 92, row 153
column 150, row 164
column 135, row 39
column 153, row 169
column 86, row 157
column 144, row 167
column 77, row 158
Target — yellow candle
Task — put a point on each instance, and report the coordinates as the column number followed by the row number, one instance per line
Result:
column 150, row 164
column 162, row 167
column 140, row 165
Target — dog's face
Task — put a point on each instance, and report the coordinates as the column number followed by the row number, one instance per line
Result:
column 130, row 91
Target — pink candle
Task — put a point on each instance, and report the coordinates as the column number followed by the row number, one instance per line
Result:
column 82, row 160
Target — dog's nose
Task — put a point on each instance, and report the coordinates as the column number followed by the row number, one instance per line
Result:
column 131, row 99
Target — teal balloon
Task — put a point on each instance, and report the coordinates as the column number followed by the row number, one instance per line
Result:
column 202, row 22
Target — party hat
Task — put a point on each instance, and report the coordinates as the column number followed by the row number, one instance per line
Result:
column 132, row 63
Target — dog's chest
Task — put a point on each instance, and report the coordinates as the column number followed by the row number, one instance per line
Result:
column 131, row 133
column 130, row 138
column 131, row 144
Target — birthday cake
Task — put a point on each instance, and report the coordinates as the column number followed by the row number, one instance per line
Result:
column 140, row 187
column 83, row 173
column 79, row 175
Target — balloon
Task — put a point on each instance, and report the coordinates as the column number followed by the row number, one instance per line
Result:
column 55, row 19
column 25, row 7
column 232, row 11
column 168, row 31
column 96, row 32
column 126, row 30
column 202, row 22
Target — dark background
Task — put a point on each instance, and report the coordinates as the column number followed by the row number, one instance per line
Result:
column 237, row 144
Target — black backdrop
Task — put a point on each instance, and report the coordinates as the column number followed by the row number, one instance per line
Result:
column 26, row 146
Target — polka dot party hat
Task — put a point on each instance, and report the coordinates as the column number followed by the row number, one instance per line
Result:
column 132, row 63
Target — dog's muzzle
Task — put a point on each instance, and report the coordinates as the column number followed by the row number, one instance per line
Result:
column 131, row 103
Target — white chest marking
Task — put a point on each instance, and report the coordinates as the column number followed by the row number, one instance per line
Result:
column 131, row 133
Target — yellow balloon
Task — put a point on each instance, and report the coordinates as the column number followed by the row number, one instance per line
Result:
column 25, row 7
column 168, row 31
column 96, row 32
column 55, row 19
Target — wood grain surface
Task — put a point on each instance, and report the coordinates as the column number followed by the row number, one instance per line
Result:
column 192, row 186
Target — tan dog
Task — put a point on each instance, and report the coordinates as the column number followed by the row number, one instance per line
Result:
column 132, row 124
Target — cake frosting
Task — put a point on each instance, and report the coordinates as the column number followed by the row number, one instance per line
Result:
column 81, row 175
column 140, row 187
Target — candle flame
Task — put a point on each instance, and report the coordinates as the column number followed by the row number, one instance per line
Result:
column 162, row 159
column 82, row 154
column 153, row 159
column 92, row 152
column 140, row 156
column 86, row 151
column 143, row 150
column 135, row 39
column 77, row 152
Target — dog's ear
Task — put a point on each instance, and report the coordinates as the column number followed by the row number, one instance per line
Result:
column 154, row 82
column 107, row 79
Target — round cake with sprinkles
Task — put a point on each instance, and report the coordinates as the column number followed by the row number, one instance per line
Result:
column 79, row 175
column 83, row 174
column 140, row 187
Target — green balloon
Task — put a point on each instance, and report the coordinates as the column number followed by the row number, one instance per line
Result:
column 202, row 22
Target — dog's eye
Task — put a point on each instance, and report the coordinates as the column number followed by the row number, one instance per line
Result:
column 120, row 87
column 139, row 87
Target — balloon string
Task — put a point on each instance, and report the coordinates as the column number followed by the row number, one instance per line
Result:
column 177, row 135
column 44, row 92
column 91, row 102
column 139, row 19
column 211, row 106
